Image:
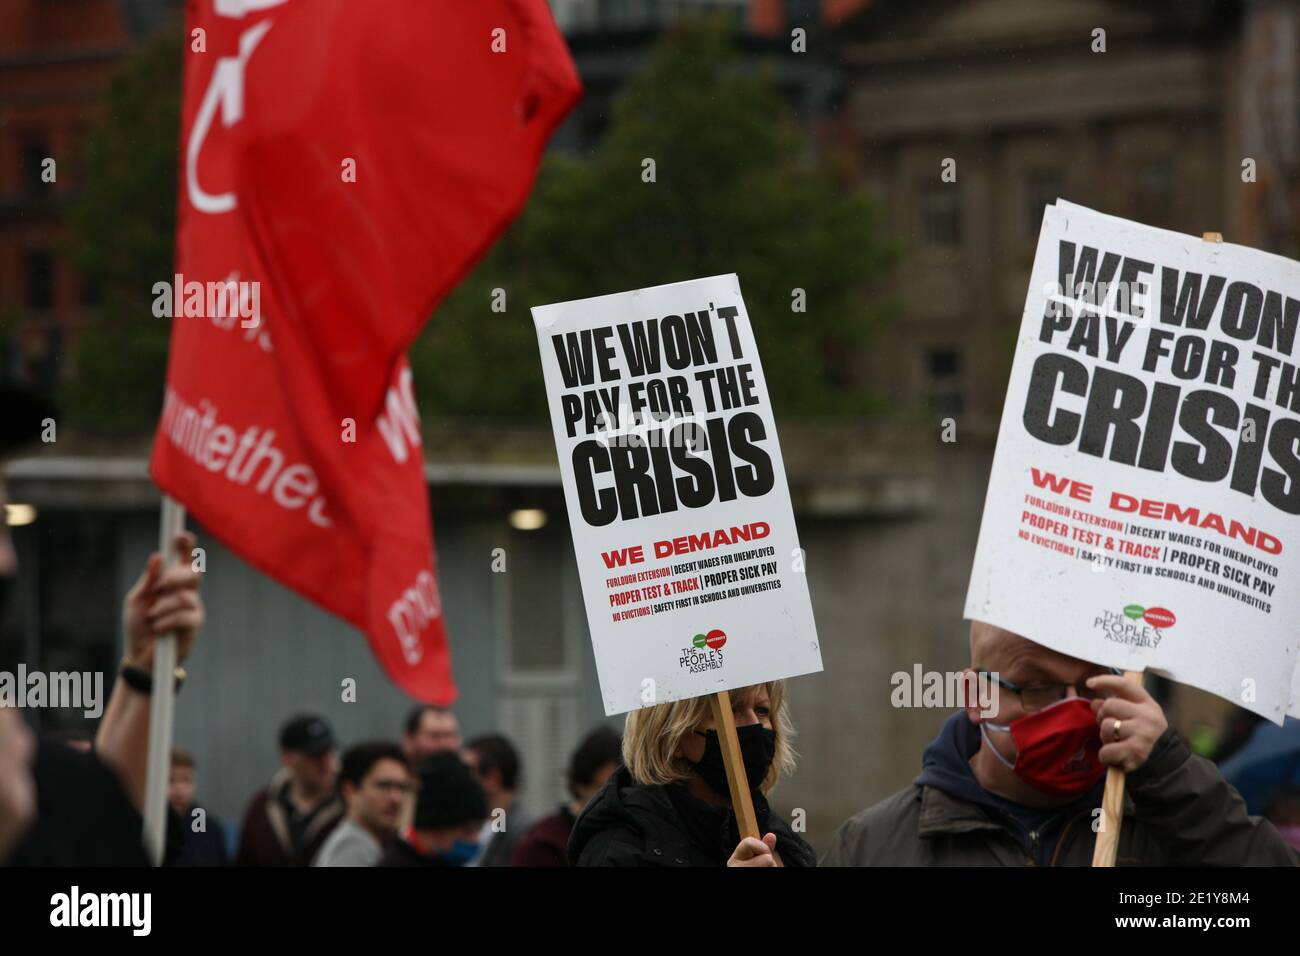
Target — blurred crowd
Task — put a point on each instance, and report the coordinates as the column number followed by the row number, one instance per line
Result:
column 425, row 799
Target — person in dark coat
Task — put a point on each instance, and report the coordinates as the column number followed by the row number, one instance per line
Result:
column 547, row 841
column 669, row 804
column 287, row 822
column 496, row 765
column 1017, row 779
column 204, row 836
column 450, row 811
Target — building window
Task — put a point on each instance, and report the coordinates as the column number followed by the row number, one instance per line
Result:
column 1042, row 188
column 536, row 641
column 1153, row 201
column 941, row 214
column 32, row 156
column 943, row 369
column 89, row 292
column 802, row 13
column 944, row 363
column 38, row 271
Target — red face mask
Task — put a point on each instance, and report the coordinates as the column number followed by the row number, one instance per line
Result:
column 1056, row 748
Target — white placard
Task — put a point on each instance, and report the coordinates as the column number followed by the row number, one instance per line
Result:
column 685, row 538
column 1143, row 510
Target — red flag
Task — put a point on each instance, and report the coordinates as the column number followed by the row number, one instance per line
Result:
column 353, row 160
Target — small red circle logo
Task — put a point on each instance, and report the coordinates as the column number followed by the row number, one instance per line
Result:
column 1159, row 617
column 715, row 638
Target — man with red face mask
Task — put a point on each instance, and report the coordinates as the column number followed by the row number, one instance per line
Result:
column 1020, row 784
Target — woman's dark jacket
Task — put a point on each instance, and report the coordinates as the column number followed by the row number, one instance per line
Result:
column 630, row 824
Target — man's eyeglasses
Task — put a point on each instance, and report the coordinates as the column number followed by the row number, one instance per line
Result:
column 1040, row 696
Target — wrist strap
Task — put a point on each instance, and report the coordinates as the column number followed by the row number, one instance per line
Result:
column 141, row 680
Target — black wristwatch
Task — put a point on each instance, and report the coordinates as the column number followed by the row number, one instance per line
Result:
column 142, row 681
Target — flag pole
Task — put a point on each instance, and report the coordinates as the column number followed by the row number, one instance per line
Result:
column 162, row 702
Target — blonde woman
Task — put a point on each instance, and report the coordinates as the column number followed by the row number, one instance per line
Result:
column 668, row 805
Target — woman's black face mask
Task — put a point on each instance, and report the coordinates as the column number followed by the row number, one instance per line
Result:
column 757, row 749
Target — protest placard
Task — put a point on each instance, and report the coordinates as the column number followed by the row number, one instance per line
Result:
column 681, row 518
column 1143, row 509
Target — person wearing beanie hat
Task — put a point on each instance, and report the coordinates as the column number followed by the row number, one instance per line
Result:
column 449, row 814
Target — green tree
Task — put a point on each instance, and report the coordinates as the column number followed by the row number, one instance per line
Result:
column 122, row 236
column 737, row 189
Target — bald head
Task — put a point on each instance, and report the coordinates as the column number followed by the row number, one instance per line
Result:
column 991, row 646
column 995, row 648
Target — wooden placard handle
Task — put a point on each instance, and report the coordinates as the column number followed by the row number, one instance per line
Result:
column 1112, row 807
column 737, row 781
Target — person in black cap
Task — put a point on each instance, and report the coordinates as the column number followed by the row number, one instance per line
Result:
column 449, row 814
column 287, row 822
column 61, row 806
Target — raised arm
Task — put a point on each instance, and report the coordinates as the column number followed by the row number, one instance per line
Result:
column 160, row 603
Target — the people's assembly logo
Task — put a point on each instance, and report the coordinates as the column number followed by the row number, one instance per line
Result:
column 1136, row 625
column 704, row 654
